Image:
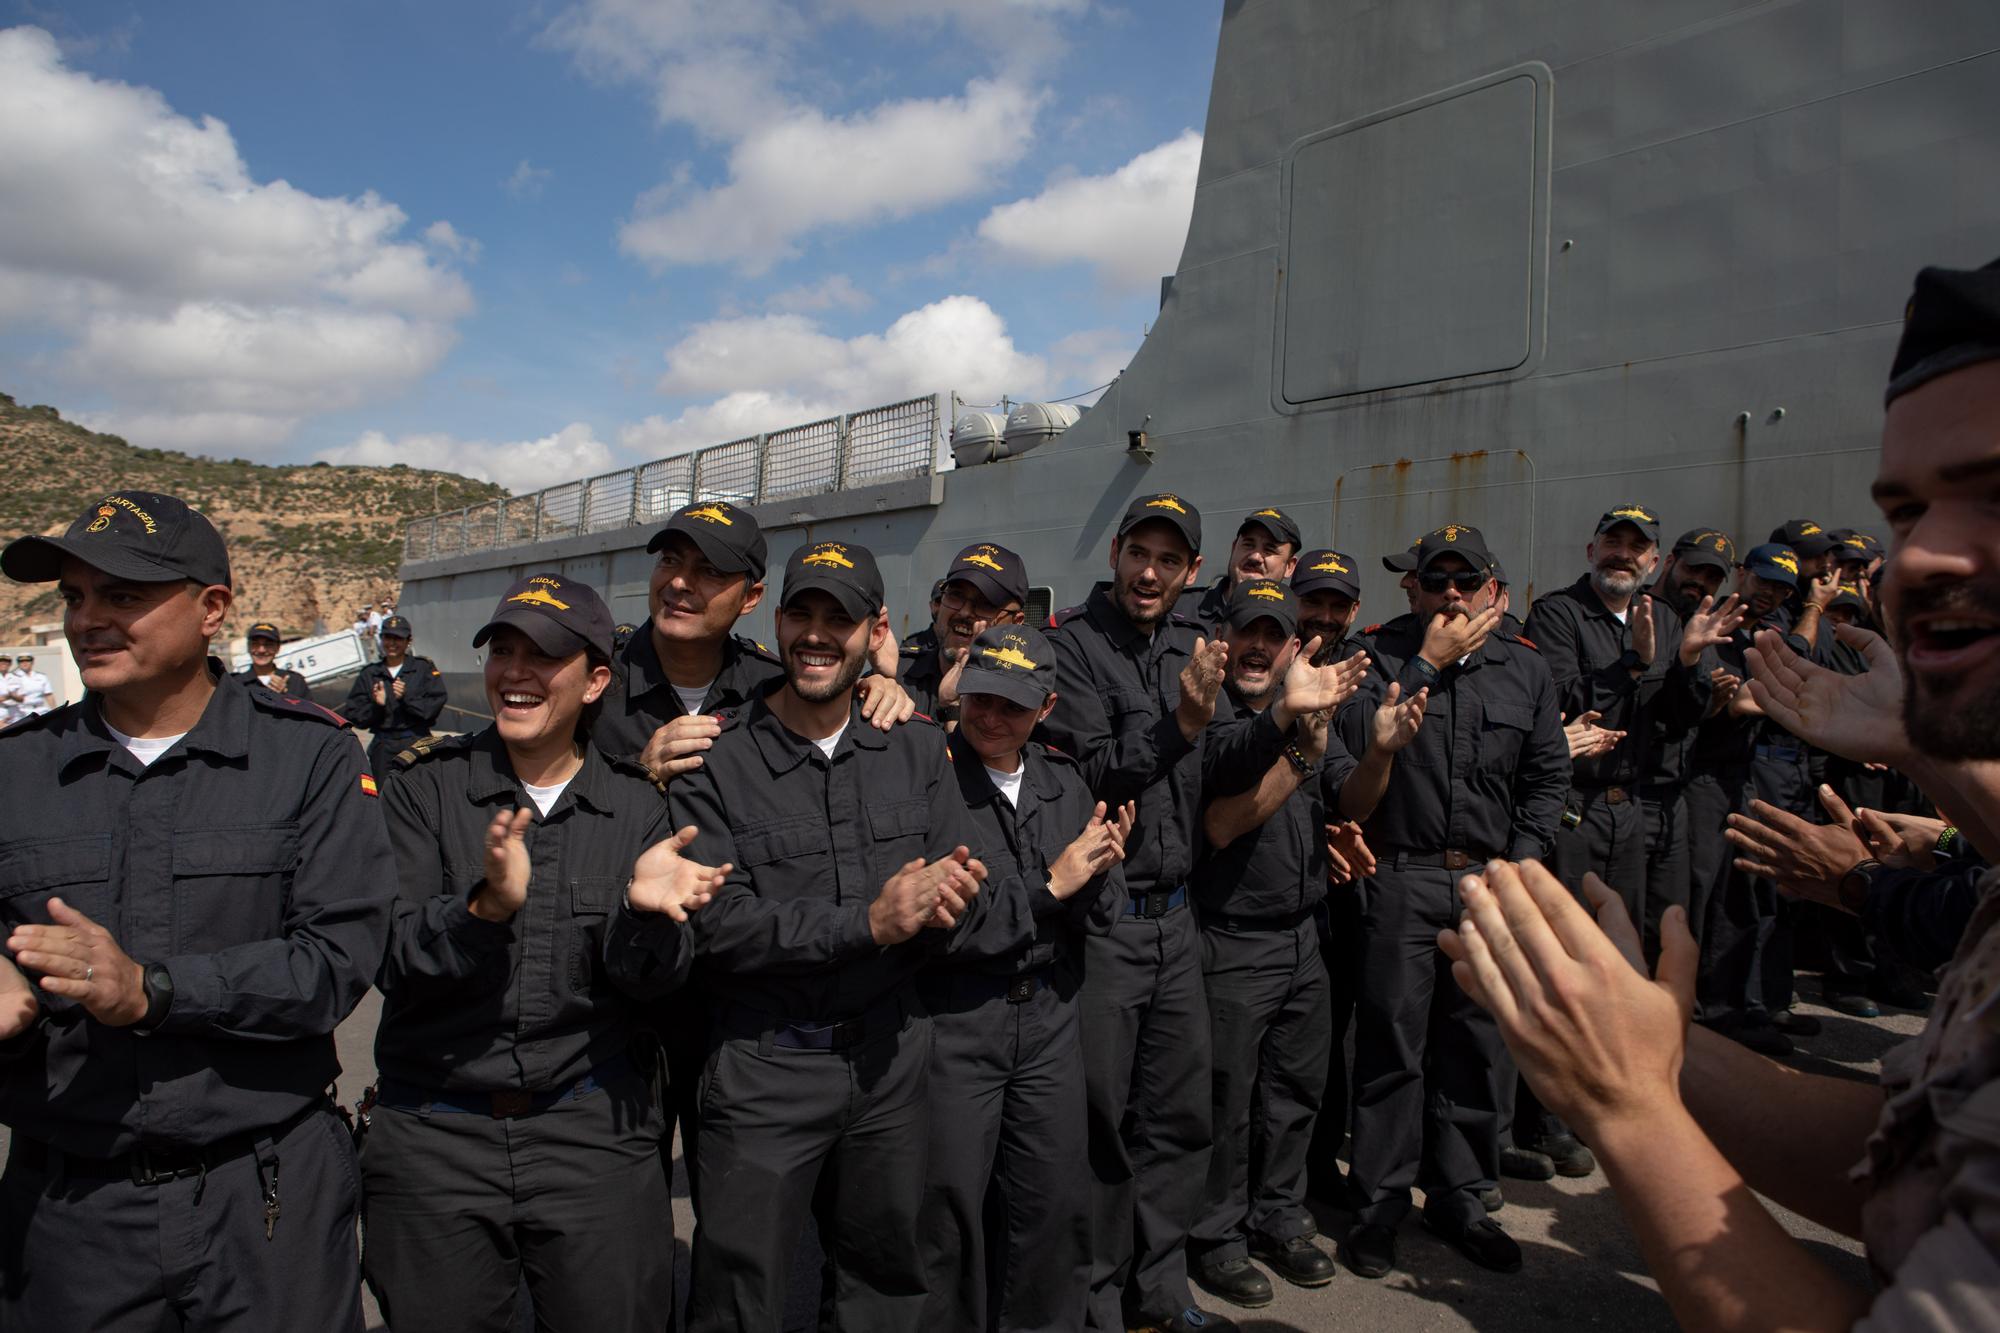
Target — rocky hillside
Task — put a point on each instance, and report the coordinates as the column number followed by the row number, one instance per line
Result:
column 307, row 543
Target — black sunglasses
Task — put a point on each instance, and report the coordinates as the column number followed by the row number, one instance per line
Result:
column 1465, row 580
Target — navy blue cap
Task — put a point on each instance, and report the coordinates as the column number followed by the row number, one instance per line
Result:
column 142, row 536
column 1276, row 522
column 845, row 569
column 1012, row 661
column 560, row 616
column 395, row 627
column 727, row 536
column 1952, row 321
column 1325, row 569
column 1170, row 508
column 1774, row 562
column 1706, row 546
column 1638, row 515
column 1804, row 536
column 1459, row 539
column 1255, row 598
column 263, row 629
column 999, row 574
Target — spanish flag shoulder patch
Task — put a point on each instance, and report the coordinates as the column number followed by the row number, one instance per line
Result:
column 368, row 787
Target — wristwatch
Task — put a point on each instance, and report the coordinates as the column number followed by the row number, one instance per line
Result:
column 1854, row 885
column 159, row 985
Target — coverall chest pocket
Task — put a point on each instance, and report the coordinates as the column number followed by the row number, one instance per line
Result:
column 75, row 869
column 230, row 884
column 899, row 829
column 1504, row 734
column 1124, row 704
column 802, row 847
column 592, row 898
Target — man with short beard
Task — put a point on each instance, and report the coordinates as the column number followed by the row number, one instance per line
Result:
column 986, row 585
column 849, row 866
column 1484, row 775
column 1266, row 547
column 673, row 678
column 1258, row 886
column 1136, row 686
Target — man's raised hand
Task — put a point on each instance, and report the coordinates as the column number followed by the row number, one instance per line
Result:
column 1311, row 689
column 1201, row 679
column 665, row 881
column 677, row 746
column 1711, row 625
column 1397, row 721
column 78, row 960
column 1451, row 637
column 1856, row 717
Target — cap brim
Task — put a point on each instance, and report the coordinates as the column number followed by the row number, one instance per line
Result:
column 1775, row 574
column 1021, row 690
column 39, row 560
column 1809, row 547
column 1250, row 614
column 554, row 639
column 1481, row 561
column 1188, row 532
column 713, row 549
column 852, row 600
column 988, row 585
column 1699, row 556
column 1277, row 530
column 267, row 638
column 1403, row 562
column 1339, row 583
column 1650, row 531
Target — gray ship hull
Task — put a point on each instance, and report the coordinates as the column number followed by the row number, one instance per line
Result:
column 1504, row 262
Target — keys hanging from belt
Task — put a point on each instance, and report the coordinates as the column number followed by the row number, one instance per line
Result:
column 271, row 1206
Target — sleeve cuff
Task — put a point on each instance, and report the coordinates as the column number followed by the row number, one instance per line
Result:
column 474, row 932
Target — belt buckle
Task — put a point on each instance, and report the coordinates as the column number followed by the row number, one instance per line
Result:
column 1023, row 988
column 844, row 1034
column 144, row 1172
column 507, row 1105
column 1454, row 859
column 1616, row 796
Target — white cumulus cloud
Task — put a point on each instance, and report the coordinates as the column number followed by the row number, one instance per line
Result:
column 1129, row 225
column 527, row 180
column 187, row 295
column 810, row 170
column 763, row 372
column 519, row 465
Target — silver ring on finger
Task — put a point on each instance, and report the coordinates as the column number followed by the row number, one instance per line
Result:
column 89, row 971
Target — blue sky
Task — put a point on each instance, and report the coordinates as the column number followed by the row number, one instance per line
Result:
column 534, row 241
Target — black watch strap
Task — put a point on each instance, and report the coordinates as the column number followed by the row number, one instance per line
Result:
column 159, row 985
column 1855, row 884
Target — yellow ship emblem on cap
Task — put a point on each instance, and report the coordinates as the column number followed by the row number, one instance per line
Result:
column 1270, row 592
column 1858, row 543
column 538, row 597
column 978, row 556
column 1267, row 513
column 1330, row 565
column 1786, row 561
column 713, row 513
column 1808, row 529
column 1633, row 511
column 1166, row 502
column 1010, row 657
column 832, row 553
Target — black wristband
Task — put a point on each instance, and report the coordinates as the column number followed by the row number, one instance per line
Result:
column 159, row 985
column 1297, row 759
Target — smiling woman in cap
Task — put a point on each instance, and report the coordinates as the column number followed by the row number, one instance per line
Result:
column 262, row 640
column 542, row 898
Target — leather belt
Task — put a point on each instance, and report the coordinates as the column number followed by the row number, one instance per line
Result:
column 1145, row 905
column 1784, row 754
column 1609, row 795
column 506, row 1104
column 843, row 1034
column 157, row 1166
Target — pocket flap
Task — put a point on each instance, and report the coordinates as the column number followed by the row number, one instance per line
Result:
column 595, row 894
column 899, row 819
column 266, row 849
column 1510, row 715
column 779, row 842
column 29, row 867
